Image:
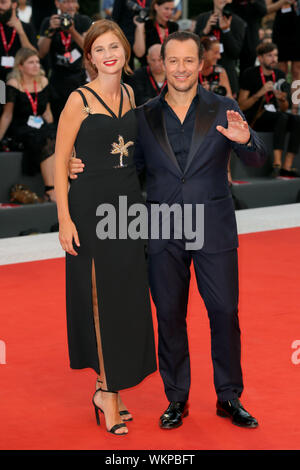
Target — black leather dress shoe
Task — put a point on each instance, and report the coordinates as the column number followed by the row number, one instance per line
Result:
column 172, row 417
column 233, row 409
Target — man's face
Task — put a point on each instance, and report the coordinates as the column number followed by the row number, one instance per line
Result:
column 155, row 62
column 182, row 64
column 5, row 5
column 269, row 60
column 67, row 6
column 212, row 56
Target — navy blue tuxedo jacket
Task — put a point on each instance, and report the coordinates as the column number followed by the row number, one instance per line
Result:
column 204, row 180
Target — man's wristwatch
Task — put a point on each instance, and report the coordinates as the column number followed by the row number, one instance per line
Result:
column 49, row 33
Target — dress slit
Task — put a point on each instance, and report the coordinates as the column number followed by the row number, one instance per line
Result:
column 97, row 326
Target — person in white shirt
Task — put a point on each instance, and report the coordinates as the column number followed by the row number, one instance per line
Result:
column 177, row 13
column 24, row 11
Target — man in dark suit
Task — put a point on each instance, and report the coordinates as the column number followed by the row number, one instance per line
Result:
column 184, row 146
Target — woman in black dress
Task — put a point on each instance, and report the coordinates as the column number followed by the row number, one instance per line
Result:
column 108, row 308
column 27, row 117
column 155, row 29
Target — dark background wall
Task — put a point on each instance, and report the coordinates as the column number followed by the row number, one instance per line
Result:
column 90, row 7
column 199, row 6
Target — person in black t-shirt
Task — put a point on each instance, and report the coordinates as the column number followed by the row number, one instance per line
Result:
column 230, row 30
column 123, row 15
column 155, row 29
column 147, row 82
column 64, row 45
column 40, row 10
column 264, row 97
column 252, row 13
column 14, row 34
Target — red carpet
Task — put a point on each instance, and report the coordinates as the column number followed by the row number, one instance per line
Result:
column 46, row 405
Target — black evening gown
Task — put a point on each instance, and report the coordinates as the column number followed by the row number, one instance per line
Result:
column 124, row 323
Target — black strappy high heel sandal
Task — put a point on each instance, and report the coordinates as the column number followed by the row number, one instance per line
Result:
column 97, row 409
column 122, row 413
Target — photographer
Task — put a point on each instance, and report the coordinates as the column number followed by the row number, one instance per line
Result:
column 286, row 34
column 123, row 14
column 212, row 76
column 155, row 29
column 62, row 36
column 14, row 35
column 264, row 97
column 148, row 81
column 252, row 12
column 229, row 29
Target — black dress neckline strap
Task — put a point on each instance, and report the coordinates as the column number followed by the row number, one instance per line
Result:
column 127, row 92
column 105, row 105
column 83, row 98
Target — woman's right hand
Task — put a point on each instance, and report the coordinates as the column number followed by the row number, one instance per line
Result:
column 212, row 21
column 68, row 232
column 139, row 24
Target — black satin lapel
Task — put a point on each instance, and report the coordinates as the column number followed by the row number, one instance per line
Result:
column 205, row 115
column 156, row 122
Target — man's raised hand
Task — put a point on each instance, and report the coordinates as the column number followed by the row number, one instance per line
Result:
column 237, row 130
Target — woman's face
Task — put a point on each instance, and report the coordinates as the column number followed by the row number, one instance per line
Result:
column 31, row 66
column 212, row 56
column 108, row 54
column 164, row 12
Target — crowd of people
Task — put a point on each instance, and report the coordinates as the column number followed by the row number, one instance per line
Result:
column 251, row 54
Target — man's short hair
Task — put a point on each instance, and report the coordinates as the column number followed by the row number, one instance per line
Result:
column 183, row 36
column 265, row 48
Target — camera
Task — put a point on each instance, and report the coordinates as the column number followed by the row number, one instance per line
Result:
column 218, row 89
column 142, row 13
column 227, row 12
column 282, row 85
column 66, row 21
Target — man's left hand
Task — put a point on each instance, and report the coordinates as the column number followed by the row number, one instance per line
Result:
column 237, row 130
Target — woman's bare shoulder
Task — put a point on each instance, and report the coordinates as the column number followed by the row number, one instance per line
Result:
column 131, row 93
column 13, row 82
column 44, row 81
column 75, row 104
